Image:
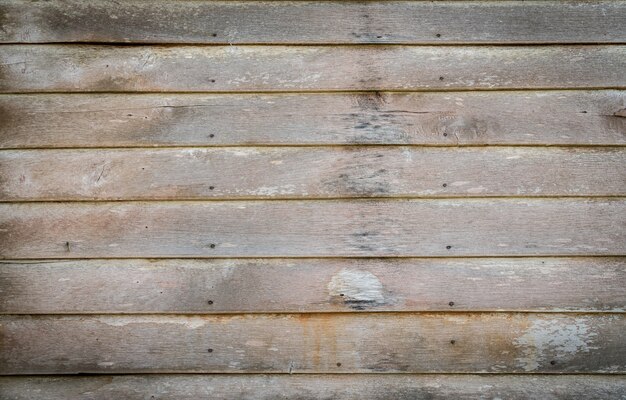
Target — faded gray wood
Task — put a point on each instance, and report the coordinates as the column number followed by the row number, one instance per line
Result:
column 309, row 387
column 453, row 227
column 87, row 68
column 313, row 285
column 348, row 343
column 305, row 172
column 227, row 22
column 448, row 119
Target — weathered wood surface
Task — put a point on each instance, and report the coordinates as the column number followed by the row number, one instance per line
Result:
column 448, row 119
column 452, row 227
column 310, row 387
column 227, row 22
column 313, row 285
column 87, row 68
column 305, row 172
column 348, row 343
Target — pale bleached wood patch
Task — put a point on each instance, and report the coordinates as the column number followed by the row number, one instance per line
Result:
column 313, row 285
column 87, row 68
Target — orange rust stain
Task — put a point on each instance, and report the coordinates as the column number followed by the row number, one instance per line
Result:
column 320, row 337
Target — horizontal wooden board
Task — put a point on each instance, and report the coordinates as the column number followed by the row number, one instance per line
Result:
column 228, row 22
column 443, row 119
column 338, row 343
column 309, row 387
column 313, row 285
column 305, row 172
column 479, row 227
column 87, row 68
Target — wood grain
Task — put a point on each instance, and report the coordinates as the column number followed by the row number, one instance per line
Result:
column 305, row 172
column 309, row 387
column 338, row 343
column 88, row 68
column 479, row 227
column 313, row 285
column 442, row 119
column 229, row 22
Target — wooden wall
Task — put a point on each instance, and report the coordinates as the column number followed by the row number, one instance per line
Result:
column 312, row 199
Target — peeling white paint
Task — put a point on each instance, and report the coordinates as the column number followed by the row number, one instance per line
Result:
column 105, row 364
column 274, row 190
column 354, row 284
column 545, row 339
column 191, row 323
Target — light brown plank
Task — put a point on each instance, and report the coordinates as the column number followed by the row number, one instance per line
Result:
column 479, row 227
column 313, row 285
column 228, row 22
column 307, row 172
column 448, row 119
column 301, row 387
column 72, row 68
column 339, row 343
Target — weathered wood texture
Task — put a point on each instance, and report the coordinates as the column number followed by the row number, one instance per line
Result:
column 85, row 68
column 311, row 387
column 547, row 343
column 448, row 119
column 311, row 173
column 228, row 22
column 313, row 285
column 479, row 227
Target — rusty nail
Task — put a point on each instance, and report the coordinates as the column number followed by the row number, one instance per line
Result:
column 211, row 187
column 553, row 362
column 452, row 341
column 211, row 135
column 210, row 350
column 210, row 301
column 441, row 78
column 451, row 303
column 438, row 35
column 445, row 134
column 445, row 185
column 339, row 364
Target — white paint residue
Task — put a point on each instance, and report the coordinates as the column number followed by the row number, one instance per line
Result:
column 352, row 284
column 545, row 339
column 105, row 364
column 274, row 190
column 190, row 322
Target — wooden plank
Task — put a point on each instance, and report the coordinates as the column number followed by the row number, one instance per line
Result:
column 339, row 387
column 228, row 22
column 305, row 172
column 453, row 227
column 443, row 119
column 562, row 117
column 87, row 68
column 313, row 285
column 303, row 343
